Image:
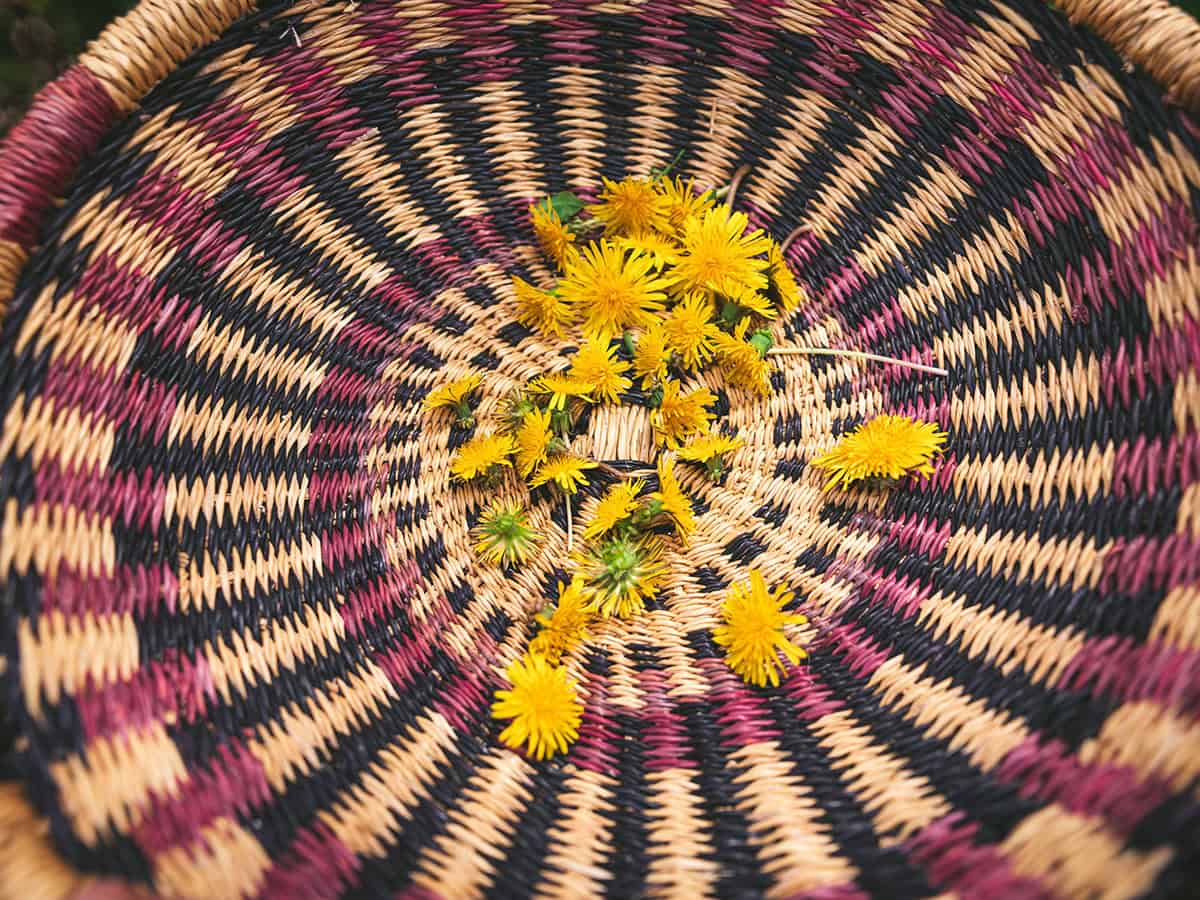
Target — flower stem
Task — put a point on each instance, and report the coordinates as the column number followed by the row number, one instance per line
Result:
column 570, row 529
column 855, row 354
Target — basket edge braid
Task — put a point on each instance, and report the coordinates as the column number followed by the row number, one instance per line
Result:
column 69, row 117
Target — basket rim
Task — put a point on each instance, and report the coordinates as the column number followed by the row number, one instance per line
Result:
column 70, row 116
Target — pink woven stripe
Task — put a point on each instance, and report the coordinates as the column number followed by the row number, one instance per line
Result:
column 176, row 683
column 233, row 784
column 316, row 866
column 948, row 852
column 1049, row 771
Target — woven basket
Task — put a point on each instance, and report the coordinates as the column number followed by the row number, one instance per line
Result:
column 247, row 648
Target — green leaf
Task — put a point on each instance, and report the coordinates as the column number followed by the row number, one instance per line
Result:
column 761, row 341
column 565, row 203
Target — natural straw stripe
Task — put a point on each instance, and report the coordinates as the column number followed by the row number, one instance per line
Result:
column 1155, row 34
column 139, row 49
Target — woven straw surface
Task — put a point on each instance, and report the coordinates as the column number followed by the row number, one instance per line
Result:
column 247, row 648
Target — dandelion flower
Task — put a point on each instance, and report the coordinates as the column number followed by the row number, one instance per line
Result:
column 516, row 408
column 684, row 203
column 543, row 704
column 709, row 450
column 558, row 241
column 885, row 447
column 720, row 256
column 595, row 365
column 484, row 456
column 564, row 470
column 689, row 331
column 741, row 362
column 456, row 395
column 672, row 501
column 621, row 574
column 746, row 300
column 561, row 388
column 630, row 206
column 650, row 355
column 614, row 507
column 503, row 535
column 752, row 633
column 566, row 627
column 533, row 440
column 680, row 415
column 784, row 289
column 661, row 250
column 612, row 290
column 540, row 309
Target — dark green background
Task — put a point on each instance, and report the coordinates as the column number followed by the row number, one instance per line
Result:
column 38, row 38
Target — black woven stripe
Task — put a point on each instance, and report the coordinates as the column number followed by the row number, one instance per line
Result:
column 1072, row 716
column 350, row 756
column 999, row 807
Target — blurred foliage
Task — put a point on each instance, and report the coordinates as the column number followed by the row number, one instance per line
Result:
column 38, row 39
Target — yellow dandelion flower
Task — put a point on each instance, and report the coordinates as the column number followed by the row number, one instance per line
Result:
column 562, row 388
column 595, row 365
column 482, row 457
column 753, row 301
column 752, row 633
column 673, row 502
column 615, row 506
column 621, row 573
column 564, row 470
column 709, row 451
column 684, row 203
column 630, row 206
column 662, row 251
column 540, row 309
column 680, row 415
column 533, row 440
column 784, row 288
column 456, row 395
column 689, row 330
column 741, row 362
column 565, row 628
column 558, row 241
column 612, row 290
column 503, row 535
column 885, row 447
column 650, row 355
column 543, row 704
column 720, row 256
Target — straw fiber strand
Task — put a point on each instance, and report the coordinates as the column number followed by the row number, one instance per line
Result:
column 248, row 649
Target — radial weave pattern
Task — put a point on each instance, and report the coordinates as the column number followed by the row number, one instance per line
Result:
column 249, row 650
